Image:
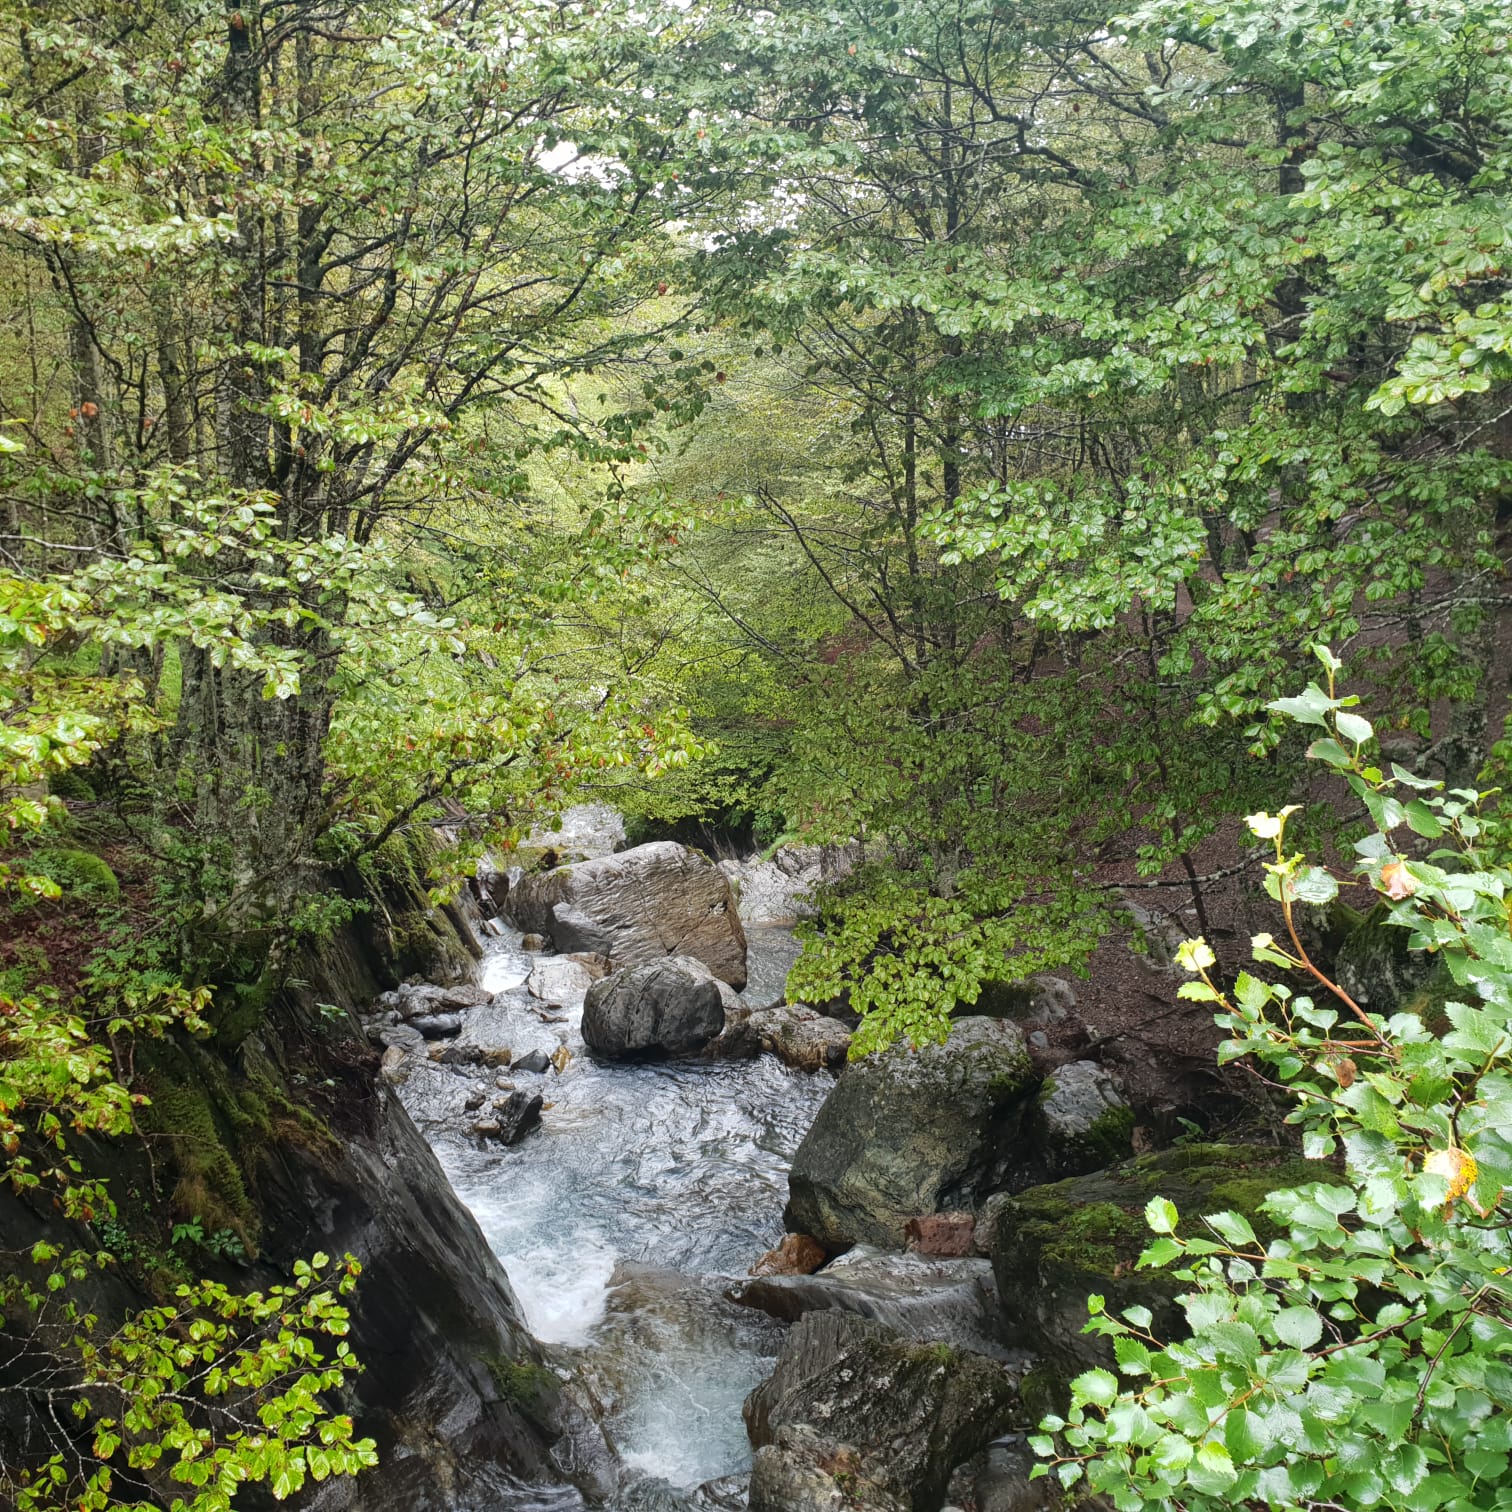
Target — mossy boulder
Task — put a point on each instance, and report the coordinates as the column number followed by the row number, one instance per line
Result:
column 1054, row 1246
column 80, row 873
column 911, row 1132
column 1082, row 1122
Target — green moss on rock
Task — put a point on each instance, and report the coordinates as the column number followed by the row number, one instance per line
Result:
column 210, row 1183
column 521, row 1383
column 1054, row 1246
column 77, row 872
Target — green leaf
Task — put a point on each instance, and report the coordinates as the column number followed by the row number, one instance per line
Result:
column 1306, row 708
column 1422, row 819
column 1161, row 1215
column 1314, row 884
column 1161, row 1253
column 1353, row 728
column 1298, row 1327
column 1234, row 1227
column 1329, row 750
column 1100, row 1387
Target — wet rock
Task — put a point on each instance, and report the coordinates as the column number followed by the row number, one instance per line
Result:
column 1053, row 1246
column 798, row 1036
column 801, row 1037
column 637, row 907
column 437, row 1025
column 403, row 1037
column 516, row 1115
column 727, row 1494
column 910, row 1412
column 458, row 1053
column 921, row 1298
column 1082, row 1122
column 416, row 1000
column 535, row 942
column 912, row 1132
column 738, row 1040
column 394, row 1068
column 533, row 1060
column 475, row 1100
column 767, row 894
column 595, row 965
column 437, row 1320
column 669, row 1007
column 1003, row 1483
column 495, row 928
column 556, row 979
column 947, row 1235
column 801, row 1472
column 503, row 1083
column 797, row 1255
column 487, row 1032
column 486, row 1128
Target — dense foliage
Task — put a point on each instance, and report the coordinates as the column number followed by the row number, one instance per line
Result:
column 1363, row 1358
column 928, row 429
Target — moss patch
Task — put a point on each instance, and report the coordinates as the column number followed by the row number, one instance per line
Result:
column 210, row 1183
column 1094, row 1225
column 1112, row 1133
column 521, row 1383
column 77, row 872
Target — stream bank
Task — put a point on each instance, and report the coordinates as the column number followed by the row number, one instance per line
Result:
column 645, row 1194
column 627, row 1200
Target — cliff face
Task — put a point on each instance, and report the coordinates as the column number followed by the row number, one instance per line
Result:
column 457, row 1394
column 277, row 1129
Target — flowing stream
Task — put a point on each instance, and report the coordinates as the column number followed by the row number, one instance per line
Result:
column 621, row 1220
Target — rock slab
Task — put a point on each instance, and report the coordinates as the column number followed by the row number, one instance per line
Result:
column 1053, row 1246
column 636, row 907
column 924, row 1299
column 801, row 1472
column 908, row 1413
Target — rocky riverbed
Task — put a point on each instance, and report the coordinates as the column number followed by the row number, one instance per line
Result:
column 630, row 1180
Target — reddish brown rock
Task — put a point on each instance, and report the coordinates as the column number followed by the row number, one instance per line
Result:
column 797, row 1255
column 944, row 1234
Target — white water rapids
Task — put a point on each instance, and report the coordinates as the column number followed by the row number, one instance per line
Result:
column 621, row 1220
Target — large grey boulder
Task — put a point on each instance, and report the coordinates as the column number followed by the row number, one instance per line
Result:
column 910, row 1132
column 920, row 1297
column 909, row 1412
column 670, row 1007
column 639, row 906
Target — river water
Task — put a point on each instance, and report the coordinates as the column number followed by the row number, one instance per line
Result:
column 622, row 1219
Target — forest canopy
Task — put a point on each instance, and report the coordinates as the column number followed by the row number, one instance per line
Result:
column 938, row 429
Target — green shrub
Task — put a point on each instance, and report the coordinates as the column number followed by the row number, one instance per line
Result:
column 77, row 872
column 1363, row 1356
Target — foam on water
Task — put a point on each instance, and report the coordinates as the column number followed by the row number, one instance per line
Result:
column 622, row 1219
